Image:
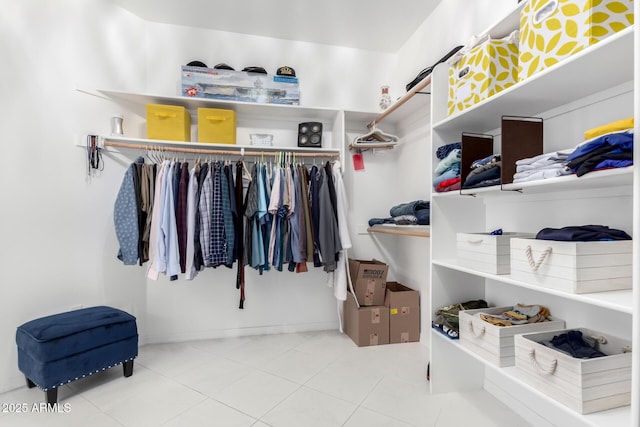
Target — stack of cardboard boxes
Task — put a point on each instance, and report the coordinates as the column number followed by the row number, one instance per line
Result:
column 380, row 312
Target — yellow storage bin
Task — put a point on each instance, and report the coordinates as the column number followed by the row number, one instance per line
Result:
column 552, row 30
column 168, row 122
column 216, row 126
column 482, row 72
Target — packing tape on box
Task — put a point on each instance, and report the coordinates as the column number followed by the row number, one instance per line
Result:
column 371, row 289
column 373, row 338
column 375, row 315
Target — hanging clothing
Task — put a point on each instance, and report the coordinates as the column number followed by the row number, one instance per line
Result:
column 315, row 180
column 240, row 232
column 340, row 276
column 328, row 231
column 192, row 213
column 205, row 216
column 125, row 218
column 181, row 215
column 198, row 253
column 217, row 239
column 184, row 219
column 230, row 220
column 156, row 241
column 168, row 225
column 147, row 189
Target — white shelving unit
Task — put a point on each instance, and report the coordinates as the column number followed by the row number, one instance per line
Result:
column 279, row 120
column 581, row 92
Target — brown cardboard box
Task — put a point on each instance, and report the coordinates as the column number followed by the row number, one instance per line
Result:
column 369, row 280
column 366, row 325
column 404, row 313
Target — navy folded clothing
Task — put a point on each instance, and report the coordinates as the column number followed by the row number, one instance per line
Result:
column 409, row 208
column 574, row 344
column 592, row 155
column 582, row 233
column 444, row 150
column 489, row 173
column 418, row 210
column 423, row 216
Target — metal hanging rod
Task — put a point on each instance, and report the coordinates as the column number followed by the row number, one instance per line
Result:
column 240, row 152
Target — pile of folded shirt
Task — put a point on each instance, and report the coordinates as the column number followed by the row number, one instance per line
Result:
column 447, row 171
column 446, row 320
column 417, row 212
column 611, row 150
column 583, row 233
column 575, row 344
column 520, row 314
column 484, row 172
column 547, row 165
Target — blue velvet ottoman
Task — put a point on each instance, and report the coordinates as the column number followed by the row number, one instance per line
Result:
column 55, row 350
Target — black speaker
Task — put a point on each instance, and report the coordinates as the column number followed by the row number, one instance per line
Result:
column 310, row 134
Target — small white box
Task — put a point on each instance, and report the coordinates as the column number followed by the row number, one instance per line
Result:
column 584, row 385
column 495, row 343
column 485, row 252
column 576, row 267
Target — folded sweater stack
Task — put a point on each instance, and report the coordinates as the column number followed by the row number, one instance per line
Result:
column 485, row 172
column 547, row 165
column 612, row 150
column 417, row 212
column 519, row 315
column 447, row 171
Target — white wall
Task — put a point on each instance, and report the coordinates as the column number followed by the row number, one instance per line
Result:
column 453, row 23
column 59, row 246
column 330, row 76
column 56, row 234
column 56, row 229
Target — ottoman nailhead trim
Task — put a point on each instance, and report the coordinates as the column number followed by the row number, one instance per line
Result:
column 85, row 375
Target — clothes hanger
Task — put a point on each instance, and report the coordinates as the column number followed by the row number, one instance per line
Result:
column 246, row 170
column 376, row 134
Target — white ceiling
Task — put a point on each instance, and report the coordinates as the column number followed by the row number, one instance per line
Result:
column 381, row 25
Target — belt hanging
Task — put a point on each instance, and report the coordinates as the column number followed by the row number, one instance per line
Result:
column 94, row 154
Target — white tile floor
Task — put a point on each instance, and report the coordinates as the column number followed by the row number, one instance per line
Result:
column 304, row 380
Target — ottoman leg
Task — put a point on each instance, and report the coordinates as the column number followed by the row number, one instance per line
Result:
column 127, row 367
column 30, row 383
column 52, row 396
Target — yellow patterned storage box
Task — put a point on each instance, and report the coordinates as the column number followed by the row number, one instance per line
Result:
column 552, row 30
column 482, row 72
column 216, row 126
column 168, row 122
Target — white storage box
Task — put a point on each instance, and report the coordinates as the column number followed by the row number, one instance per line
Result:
column 576, row 267
column 584, row 385
column 485, row 252
column 495, row 343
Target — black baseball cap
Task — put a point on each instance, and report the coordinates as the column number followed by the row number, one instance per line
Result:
column 197, row 64
column 255, row 70
column 223, row 66
column 286, row 71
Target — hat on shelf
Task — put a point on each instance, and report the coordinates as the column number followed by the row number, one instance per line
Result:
column 197, row 64
column 255, row 70
column 286, row 71
column 223, row 66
